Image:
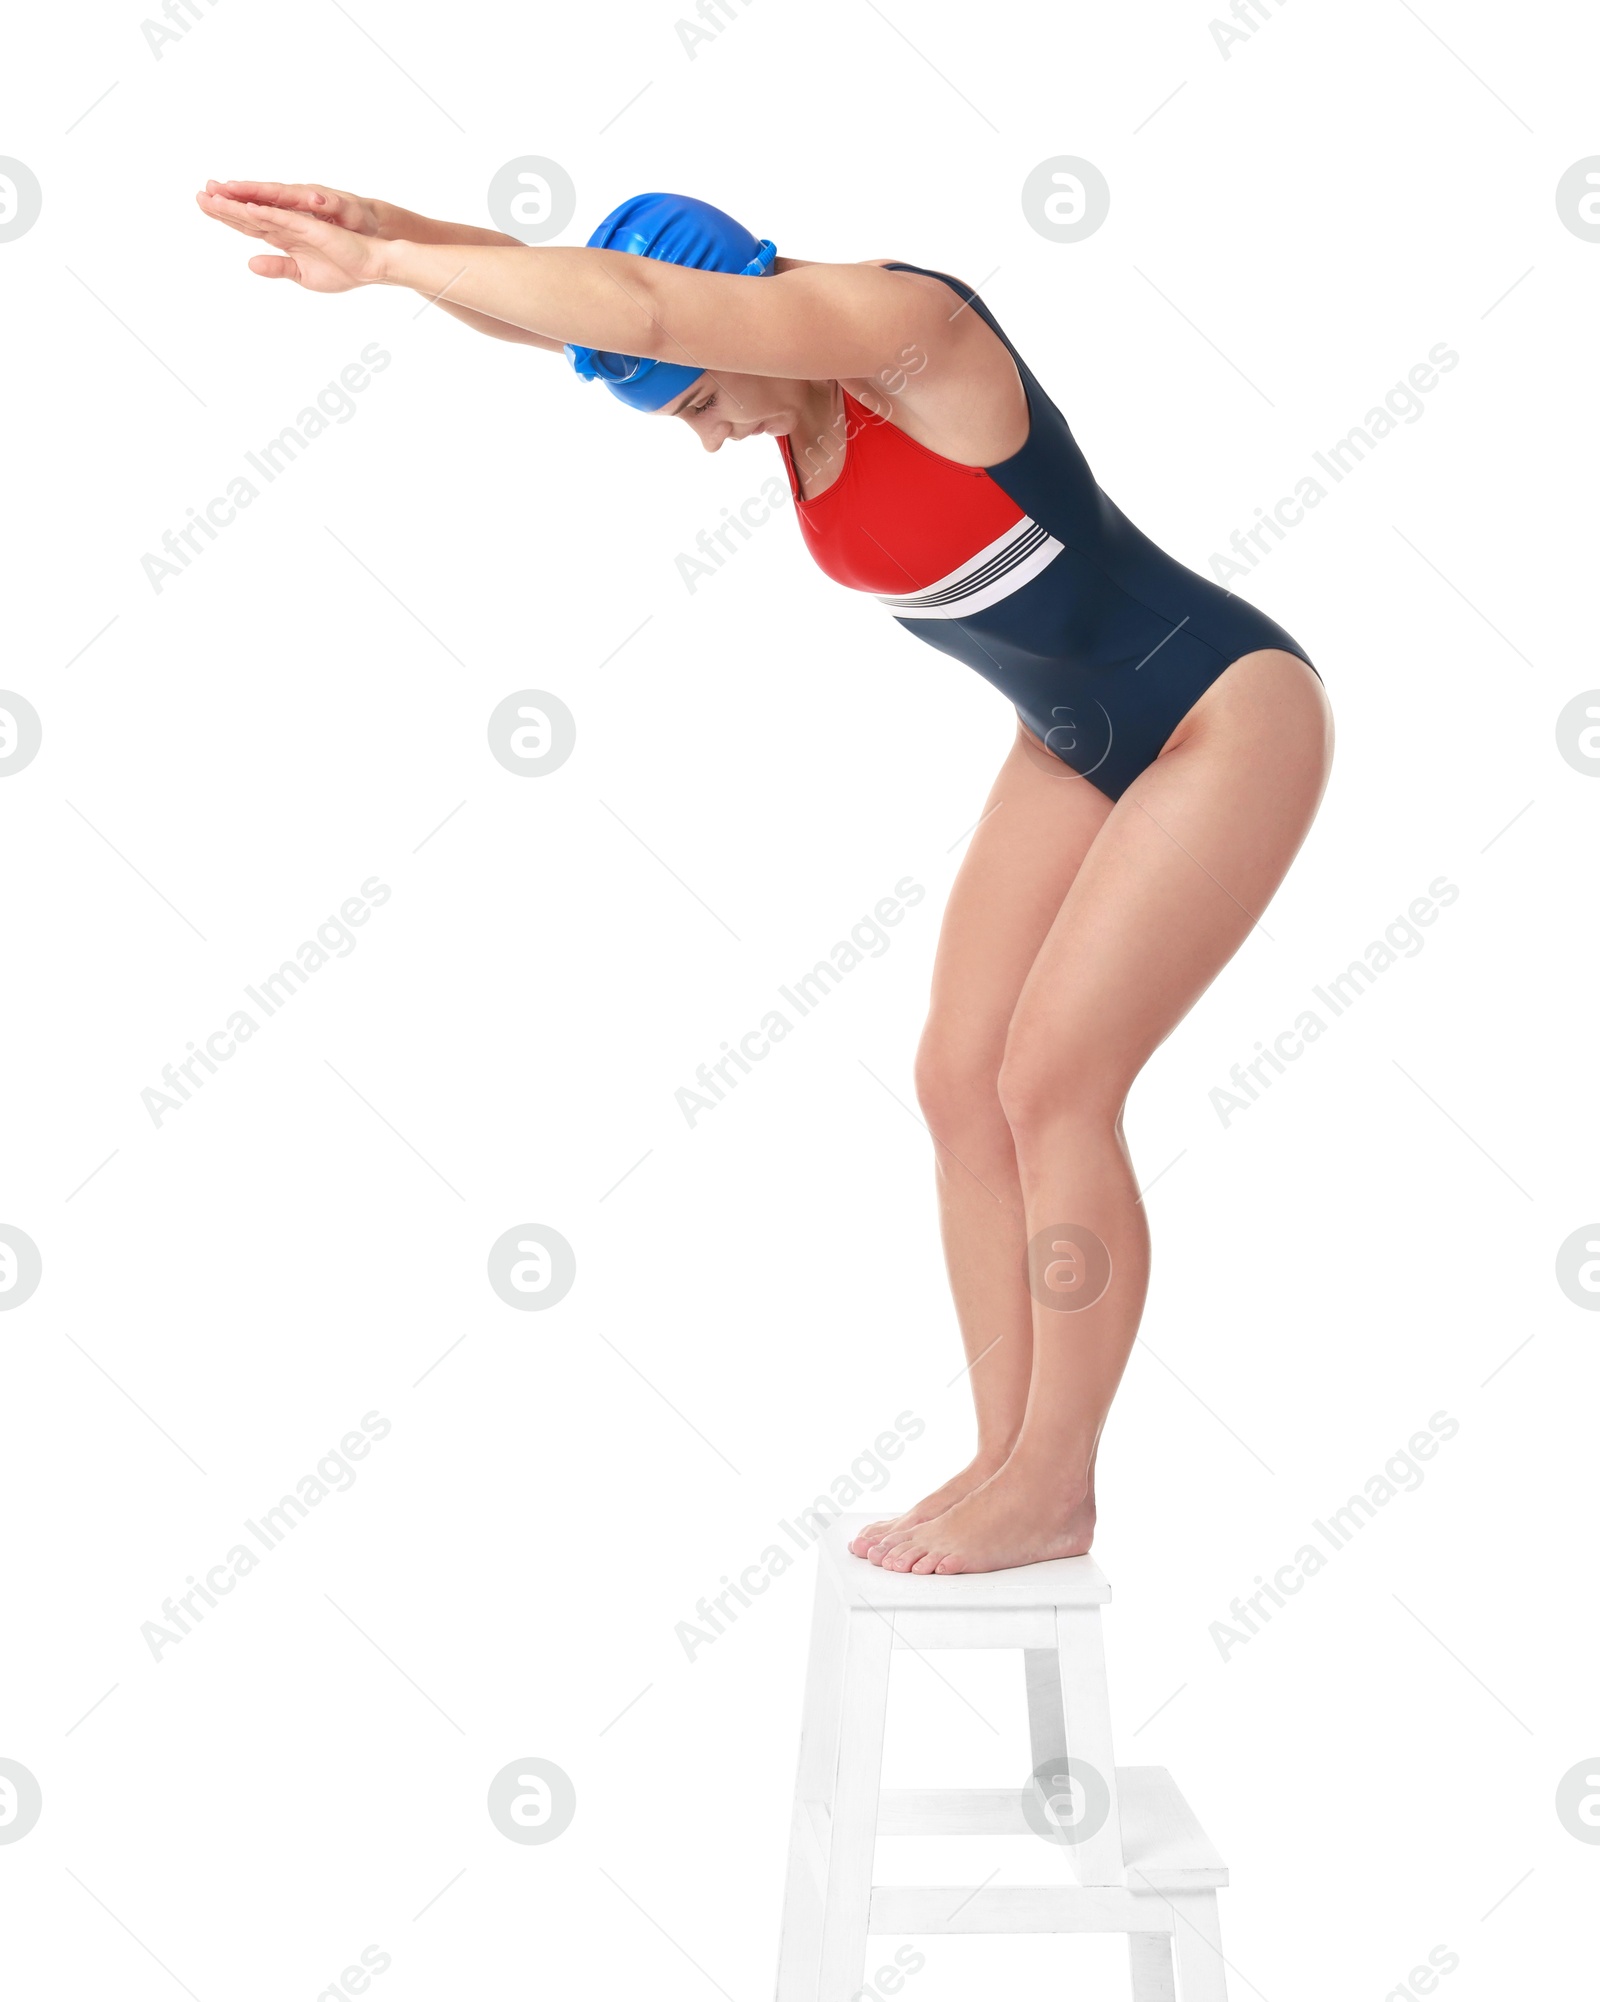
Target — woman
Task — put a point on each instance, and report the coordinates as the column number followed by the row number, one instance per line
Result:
column 1172, row 747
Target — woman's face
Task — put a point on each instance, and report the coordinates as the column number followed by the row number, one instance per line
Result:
column 723, row 406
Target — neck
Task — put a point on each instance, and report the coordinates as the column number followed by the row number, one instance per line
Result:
column 818, row 437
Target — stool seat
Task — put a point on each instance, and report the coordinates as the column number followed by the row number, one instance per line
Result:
column 1119, row 1845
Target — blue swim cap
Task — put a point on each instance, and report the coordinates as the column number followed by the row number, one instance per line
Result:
column 677, row 230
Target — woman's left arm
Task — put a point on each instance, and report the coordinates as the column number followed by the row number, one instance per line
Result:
column 820, row 321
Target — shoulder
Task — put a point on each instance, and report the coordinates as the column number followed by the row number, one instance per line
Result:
column 971, row 407
column 922, row 300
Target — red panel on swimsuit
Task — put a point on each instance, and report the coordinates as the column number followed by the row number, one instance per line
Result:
column 898, row 518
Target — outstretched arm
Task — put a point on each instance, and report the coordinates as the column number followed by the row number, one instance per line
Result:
column 366, row 216
column 820, row 321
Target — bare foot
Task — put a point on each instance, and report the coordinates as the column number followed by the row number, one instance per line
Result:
column 957, row 1488
column 1012, row 1519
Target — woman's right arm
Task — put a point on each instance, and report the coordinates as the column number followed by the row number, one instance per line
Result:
column 370, row 217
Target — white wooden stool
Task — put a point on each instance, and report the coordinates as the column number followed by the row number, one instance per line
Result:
column 1141, row 1864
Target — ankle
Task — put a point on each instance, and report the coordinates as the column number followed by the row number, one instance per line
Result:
column 991, row 1457
column 1066, row 1490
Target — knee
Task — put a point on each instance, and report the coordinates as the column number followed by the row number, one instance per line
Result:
column 957, row 1080
column 1048, row 1083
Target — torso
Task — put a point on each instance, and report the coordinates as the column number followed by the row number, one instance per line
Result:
column 1013, row 560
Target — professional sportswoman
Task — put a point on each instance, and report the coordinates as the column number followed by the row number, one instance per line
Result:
column 1172, row 746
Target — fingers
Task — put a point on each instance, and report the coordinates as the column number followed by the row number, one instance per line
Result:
column 227, row 209
column 318, row 255
column 282, row 228
column 273, row 192
column 328, row 203
column 237, row 215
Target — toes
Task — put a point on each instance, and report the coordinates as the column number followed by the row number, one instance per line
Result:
column 929, row 1561
column 861, row 1544
column 904, row 1556
column 949, row 1565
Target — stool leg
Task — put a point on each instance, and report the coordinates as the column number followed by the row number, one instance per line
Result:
column 1047, row 1717
column 847, row 1898
column 800, row 1944
column 1197, row 1941
column 1098, row 1859
column 1150, row 1963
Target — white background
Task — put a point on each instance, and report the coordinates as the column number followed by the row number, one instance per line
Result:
column 1292, row 229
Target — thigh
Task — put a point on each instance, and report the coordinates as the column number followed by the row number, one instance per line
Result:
column 1174, row 882
column 1038, row 823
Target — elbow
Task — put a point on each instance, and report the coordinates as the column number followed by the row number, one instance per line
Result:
column 647, row 320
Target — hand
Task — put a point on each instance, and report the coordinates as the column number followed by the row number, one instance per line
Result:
column 355, row 212
column 321, row 256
